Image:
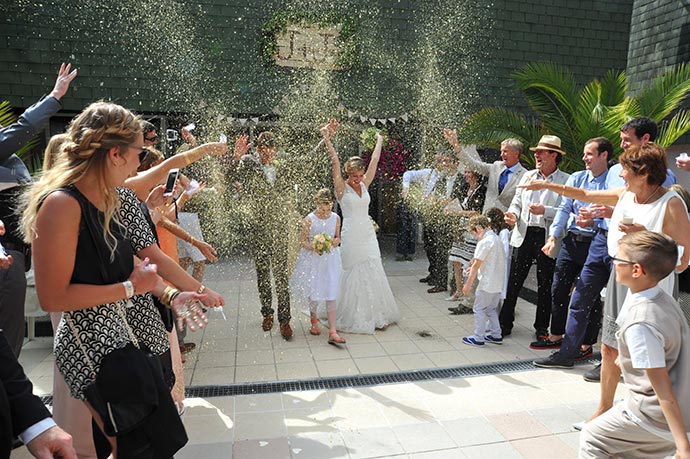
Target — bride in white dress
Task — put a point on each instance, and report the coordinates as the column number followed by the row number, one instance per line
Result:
column 366, row 301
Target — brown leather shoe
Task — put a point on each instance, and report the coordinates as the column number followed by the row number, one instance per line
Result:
column 267, row 323
column 286, row 330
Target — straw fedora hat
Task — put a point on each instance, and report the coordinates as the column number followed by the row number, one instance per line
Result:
column 549, row 142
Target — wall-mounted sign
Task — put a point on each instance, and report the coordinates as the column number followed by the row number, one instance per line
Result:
column 304, row 40
column 308, row 46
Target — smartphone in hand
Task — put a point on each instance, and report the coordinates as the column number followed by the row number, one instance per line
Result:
column 171, row 181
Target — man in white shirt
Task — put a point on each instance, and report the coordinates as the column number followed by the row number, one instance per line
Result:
column 438, row 185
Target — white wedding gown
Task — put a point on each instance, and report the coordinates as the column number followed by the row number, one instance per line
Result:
column 366, row 301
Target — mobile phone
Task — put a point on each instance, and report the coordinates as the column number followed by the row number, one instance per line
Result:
column 170, row 182
column 171, row 135
column 190, row 127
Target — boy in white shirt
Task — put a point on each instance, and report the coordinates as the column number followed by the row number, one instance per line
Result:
column 654, row 357
column 488, row 265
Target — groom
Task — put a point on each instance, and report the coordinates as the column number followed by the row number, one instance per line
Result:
column 264, row 189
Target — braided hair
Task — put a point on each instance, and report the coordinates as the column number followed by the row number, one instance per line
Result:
column 90, row 136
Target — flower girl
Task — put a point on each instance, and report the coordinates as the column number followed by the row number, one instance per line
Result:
column 317, row 273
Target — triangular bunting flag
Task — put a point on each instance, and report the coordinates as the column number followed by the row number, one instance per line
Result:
column 392, row 120
column 362, row 118
column 372, row 121
column 382, row 121
column 256, row 120
column 350, row 113
column 405, row 117
column 243, row 121
column 276, row 110
column 219, row 118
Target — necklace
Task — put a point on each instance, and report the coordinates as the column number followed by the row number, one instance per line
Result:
column 650, row 196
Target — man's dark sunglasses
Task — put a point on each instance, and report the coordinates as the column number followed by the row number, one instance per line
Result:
column 151, row 139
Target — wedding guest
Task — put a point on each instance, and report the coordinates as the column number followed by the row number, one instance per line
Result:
column 318, row 270
column 464, row 244
column 366, row 302
column 84, row 265
column 502, row 176
column 487, row 266
column 23, row 415
column 14, row 176
column 531, row 214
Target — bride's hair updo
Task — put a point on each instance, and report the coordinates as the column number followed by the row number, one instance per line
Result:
column 323, row 196
column 354, row 164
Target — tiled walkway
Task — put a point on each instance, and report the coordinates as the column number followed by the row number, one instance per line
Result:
column 503, row 416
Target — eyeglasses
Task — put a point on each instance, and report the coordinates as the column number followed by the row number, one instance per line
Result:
column 620, row 260
column 143, row 154
column 151, row 139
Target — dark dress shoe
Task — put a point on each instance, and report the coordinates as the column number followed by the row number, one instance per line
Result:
column 425, row 280
column 286, row 330
column 437, row 289
column 541, row 334
column 460, row 310
column 546, row 344
column 267, row 323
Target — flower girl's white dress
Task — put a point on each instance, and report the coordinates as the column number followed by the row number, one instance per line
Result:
column 366, row 301
column 317, row 277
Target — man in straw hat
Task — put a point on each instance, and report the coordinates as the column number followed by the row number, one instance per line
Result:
column 531, row 213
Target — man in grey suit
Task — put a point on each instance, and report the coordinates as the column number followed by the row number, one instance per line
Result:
column 531, row 214
column 13, row 176
column 503, row 176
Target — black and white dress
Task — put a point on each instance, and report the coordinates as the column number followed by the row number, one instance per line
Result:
column 142, row 314
column 463, row 247
column 100, row 329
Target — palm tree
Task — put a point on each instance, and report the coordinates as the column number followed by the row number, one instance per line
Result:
column 576, row 115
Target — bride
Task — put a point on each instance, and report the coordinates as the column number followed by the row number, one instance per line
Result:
column 366, row 301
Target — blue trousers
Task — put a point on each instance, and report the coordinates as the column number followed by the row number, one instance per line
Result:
column 571, row 259
column 584, row 314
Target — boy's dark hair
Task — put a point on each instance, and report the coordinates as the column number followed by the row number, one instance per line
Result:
column 478, row 220
column 642, row 125
column 496, row 217
column 266, row 139
column 655, row 252
column 147, row 126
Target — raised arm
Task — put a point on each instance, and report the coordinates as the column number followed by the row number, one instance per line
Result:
column 373, row 164
column 608, row 197
column 479, row 166
column 144, row 182
column 328, row 131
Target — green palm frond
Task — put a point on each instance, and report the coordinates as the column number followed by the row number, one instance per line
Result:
column 551, row 92
column 672, row 129
column 665, row 93
column 491, row 126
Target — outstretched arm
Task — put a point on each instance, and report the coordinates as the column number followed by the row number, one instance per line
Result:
column 328, row 131
column 452, row 137
column 609, row 197
column 373, row 164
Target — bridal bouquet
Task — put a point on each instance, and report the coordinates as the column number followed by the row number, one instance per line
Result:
column 322, row 243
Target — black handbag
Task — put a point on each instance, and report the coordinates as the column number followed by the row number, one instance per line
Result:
column 133, row 401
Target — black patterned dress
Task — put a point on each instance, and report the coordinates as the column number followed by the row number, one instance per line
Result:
column 100, row 329
column 142, row 314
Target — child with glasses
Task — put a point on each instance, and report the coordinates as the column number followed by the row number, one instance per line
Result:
column 488, row 266
column 654, row 357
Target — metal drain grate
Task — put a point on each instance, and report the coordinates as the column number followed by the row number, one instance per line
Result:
column 359, row 380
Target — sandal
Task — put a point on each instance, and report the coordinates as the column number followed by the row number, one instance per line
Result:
column 314, row 330
column 335, row 338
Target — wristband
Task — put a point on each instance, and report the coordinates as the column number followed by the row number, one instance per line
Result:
column 201, row 289
column 129, row 289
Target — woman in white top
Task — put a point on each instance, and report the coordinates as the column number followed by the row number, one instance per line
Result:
column 366, row 301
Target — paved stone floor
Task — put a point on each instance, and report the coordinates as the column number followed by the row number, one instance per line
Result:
column 512, row 415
